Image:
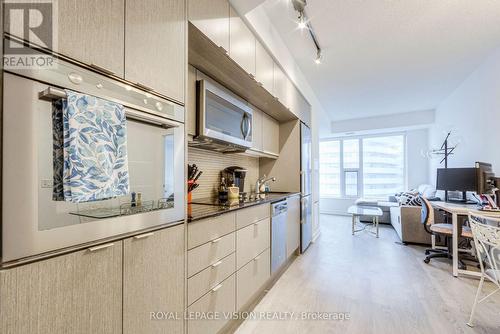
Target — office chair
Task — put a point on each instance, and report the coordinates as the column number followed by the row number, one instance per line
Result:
column 487, row 243
column 440, row 230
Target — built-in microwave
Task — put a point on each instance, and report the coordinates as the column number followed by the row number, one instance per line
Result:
column 224, row 122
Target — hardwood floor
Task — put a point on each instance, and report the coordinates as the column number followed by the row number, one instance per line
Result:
column 384, row 286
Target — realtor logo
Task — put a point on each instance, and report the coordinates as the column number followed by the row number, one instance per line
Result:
column 33, row 22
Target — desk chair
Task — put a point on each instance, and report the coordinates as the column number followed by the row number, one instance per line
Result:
column 440, row 230
column 487, row 243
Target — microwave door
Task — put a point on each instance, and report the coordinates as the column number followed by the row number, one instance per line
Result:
column 33, row 223
column 222, row 117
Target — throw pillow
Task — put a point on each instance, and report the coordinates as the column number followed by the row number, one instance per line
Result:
column 410, row 199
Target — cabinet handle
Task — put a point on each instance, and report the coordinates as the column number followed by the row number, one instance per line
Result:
column 216, row 264
column 147, row 88
column 145, row 235
column 96, row 248
column 102, row 69
column 216, row 240
column 217, row 288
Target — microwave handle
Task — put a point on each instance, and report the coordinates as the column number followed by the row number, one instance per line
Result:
column 246, row 121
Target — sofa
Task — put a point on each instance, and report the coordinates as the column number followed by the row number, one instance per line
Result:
column 406, row 219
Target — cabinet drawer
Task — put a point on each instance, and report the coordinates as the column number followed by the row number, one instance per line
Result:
column 252, row 277
column 205, row 255
column 220, row 299
column 251, row 241
column 210, row 277
column 251, row 215
column 202, row 231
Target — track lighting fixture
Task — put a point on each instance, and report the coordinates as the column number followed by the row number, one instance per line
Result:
column 304, row 23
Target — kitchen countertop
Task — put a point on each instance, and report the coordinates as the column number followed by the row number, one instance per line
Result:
column 201, row 211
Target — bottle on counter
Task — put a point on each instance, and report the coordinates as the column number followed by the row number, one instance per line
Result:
column 223, row 195
column 139, row 199
column 133, row 199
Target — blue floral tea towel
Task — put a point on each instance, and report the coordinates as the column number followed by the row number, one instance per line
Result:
column 94, row 149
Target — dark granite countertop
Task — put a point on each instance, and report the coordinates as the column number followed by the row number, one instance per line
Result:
column 201, row 211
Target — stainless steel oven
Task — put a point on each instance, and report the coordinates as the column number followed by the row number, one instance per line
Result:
column 33, row 223
column 224, row 120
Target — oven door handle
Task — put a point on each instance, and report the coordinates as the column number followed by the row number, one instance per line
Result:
column 52, row 93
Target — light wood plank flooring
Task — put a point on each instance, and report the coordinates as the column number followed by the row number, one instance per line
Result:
column 385, row 287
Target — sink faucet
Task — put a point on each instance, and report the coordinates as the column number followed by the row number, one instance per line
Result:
column 259, row 185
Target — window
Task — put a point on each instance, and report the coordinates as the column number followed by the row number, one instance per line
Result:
column 329, row 153
column 371, row 166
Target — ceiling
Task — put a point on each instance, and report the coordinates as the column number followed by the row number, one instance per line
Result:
column 386, row 57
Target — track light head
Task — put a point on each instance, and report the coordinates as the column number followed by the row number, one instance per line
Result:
column 318, row 57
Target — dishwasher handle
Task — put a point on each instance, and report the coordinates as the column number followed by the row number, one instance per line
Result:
column 279, row 208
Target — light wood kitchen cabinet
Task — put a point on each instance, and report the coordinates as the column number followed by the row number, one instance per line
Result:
column 220, row 300
column 80, row 292
column 209, row 229
column 252, row 215
column 292, row 224
column 90, row 31
column 191, row 101
column 251, row 278
column 251, row 241
column 241, row 43
column 264, row 67
column 280, row 84
column 291, row 95
column 207, row 254
column 257, row 130
column 153, row 280
column 270, row 135
column 155, row 45
column 212, row 18
column 209, row 278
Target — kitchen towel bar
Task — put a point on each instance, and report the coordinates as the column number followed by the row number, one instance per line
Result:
column 53, row 93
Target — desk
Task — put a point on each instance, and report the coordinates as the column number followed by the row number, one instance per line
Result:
column 460, row 210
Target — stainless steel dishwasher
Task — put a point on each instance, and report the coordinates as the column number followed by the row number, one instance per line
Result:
column 278, row 234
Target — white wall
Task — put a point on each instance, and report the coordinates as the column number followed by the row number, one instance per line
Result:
column 417, row 141
column 472, row 112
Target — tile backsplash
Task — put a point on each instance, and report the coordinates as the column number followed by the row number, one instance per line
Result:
column 212, row 163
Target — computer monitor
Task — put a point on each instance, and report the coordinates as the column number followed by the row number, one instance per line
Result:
column 485, row 178
column 457, row 179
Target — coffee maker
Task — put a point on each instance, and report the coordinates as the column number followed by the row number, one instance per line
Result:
column 235, row 175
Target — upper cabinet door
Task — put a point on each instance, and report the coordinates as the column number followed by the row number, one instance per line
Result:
column 241, row 43
column 290, row 96
column 155, row 45
column 280, row 84
column 212, row 18
column 257, row 129
column 270, row 135
column 90, row 31
column 264, row 72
